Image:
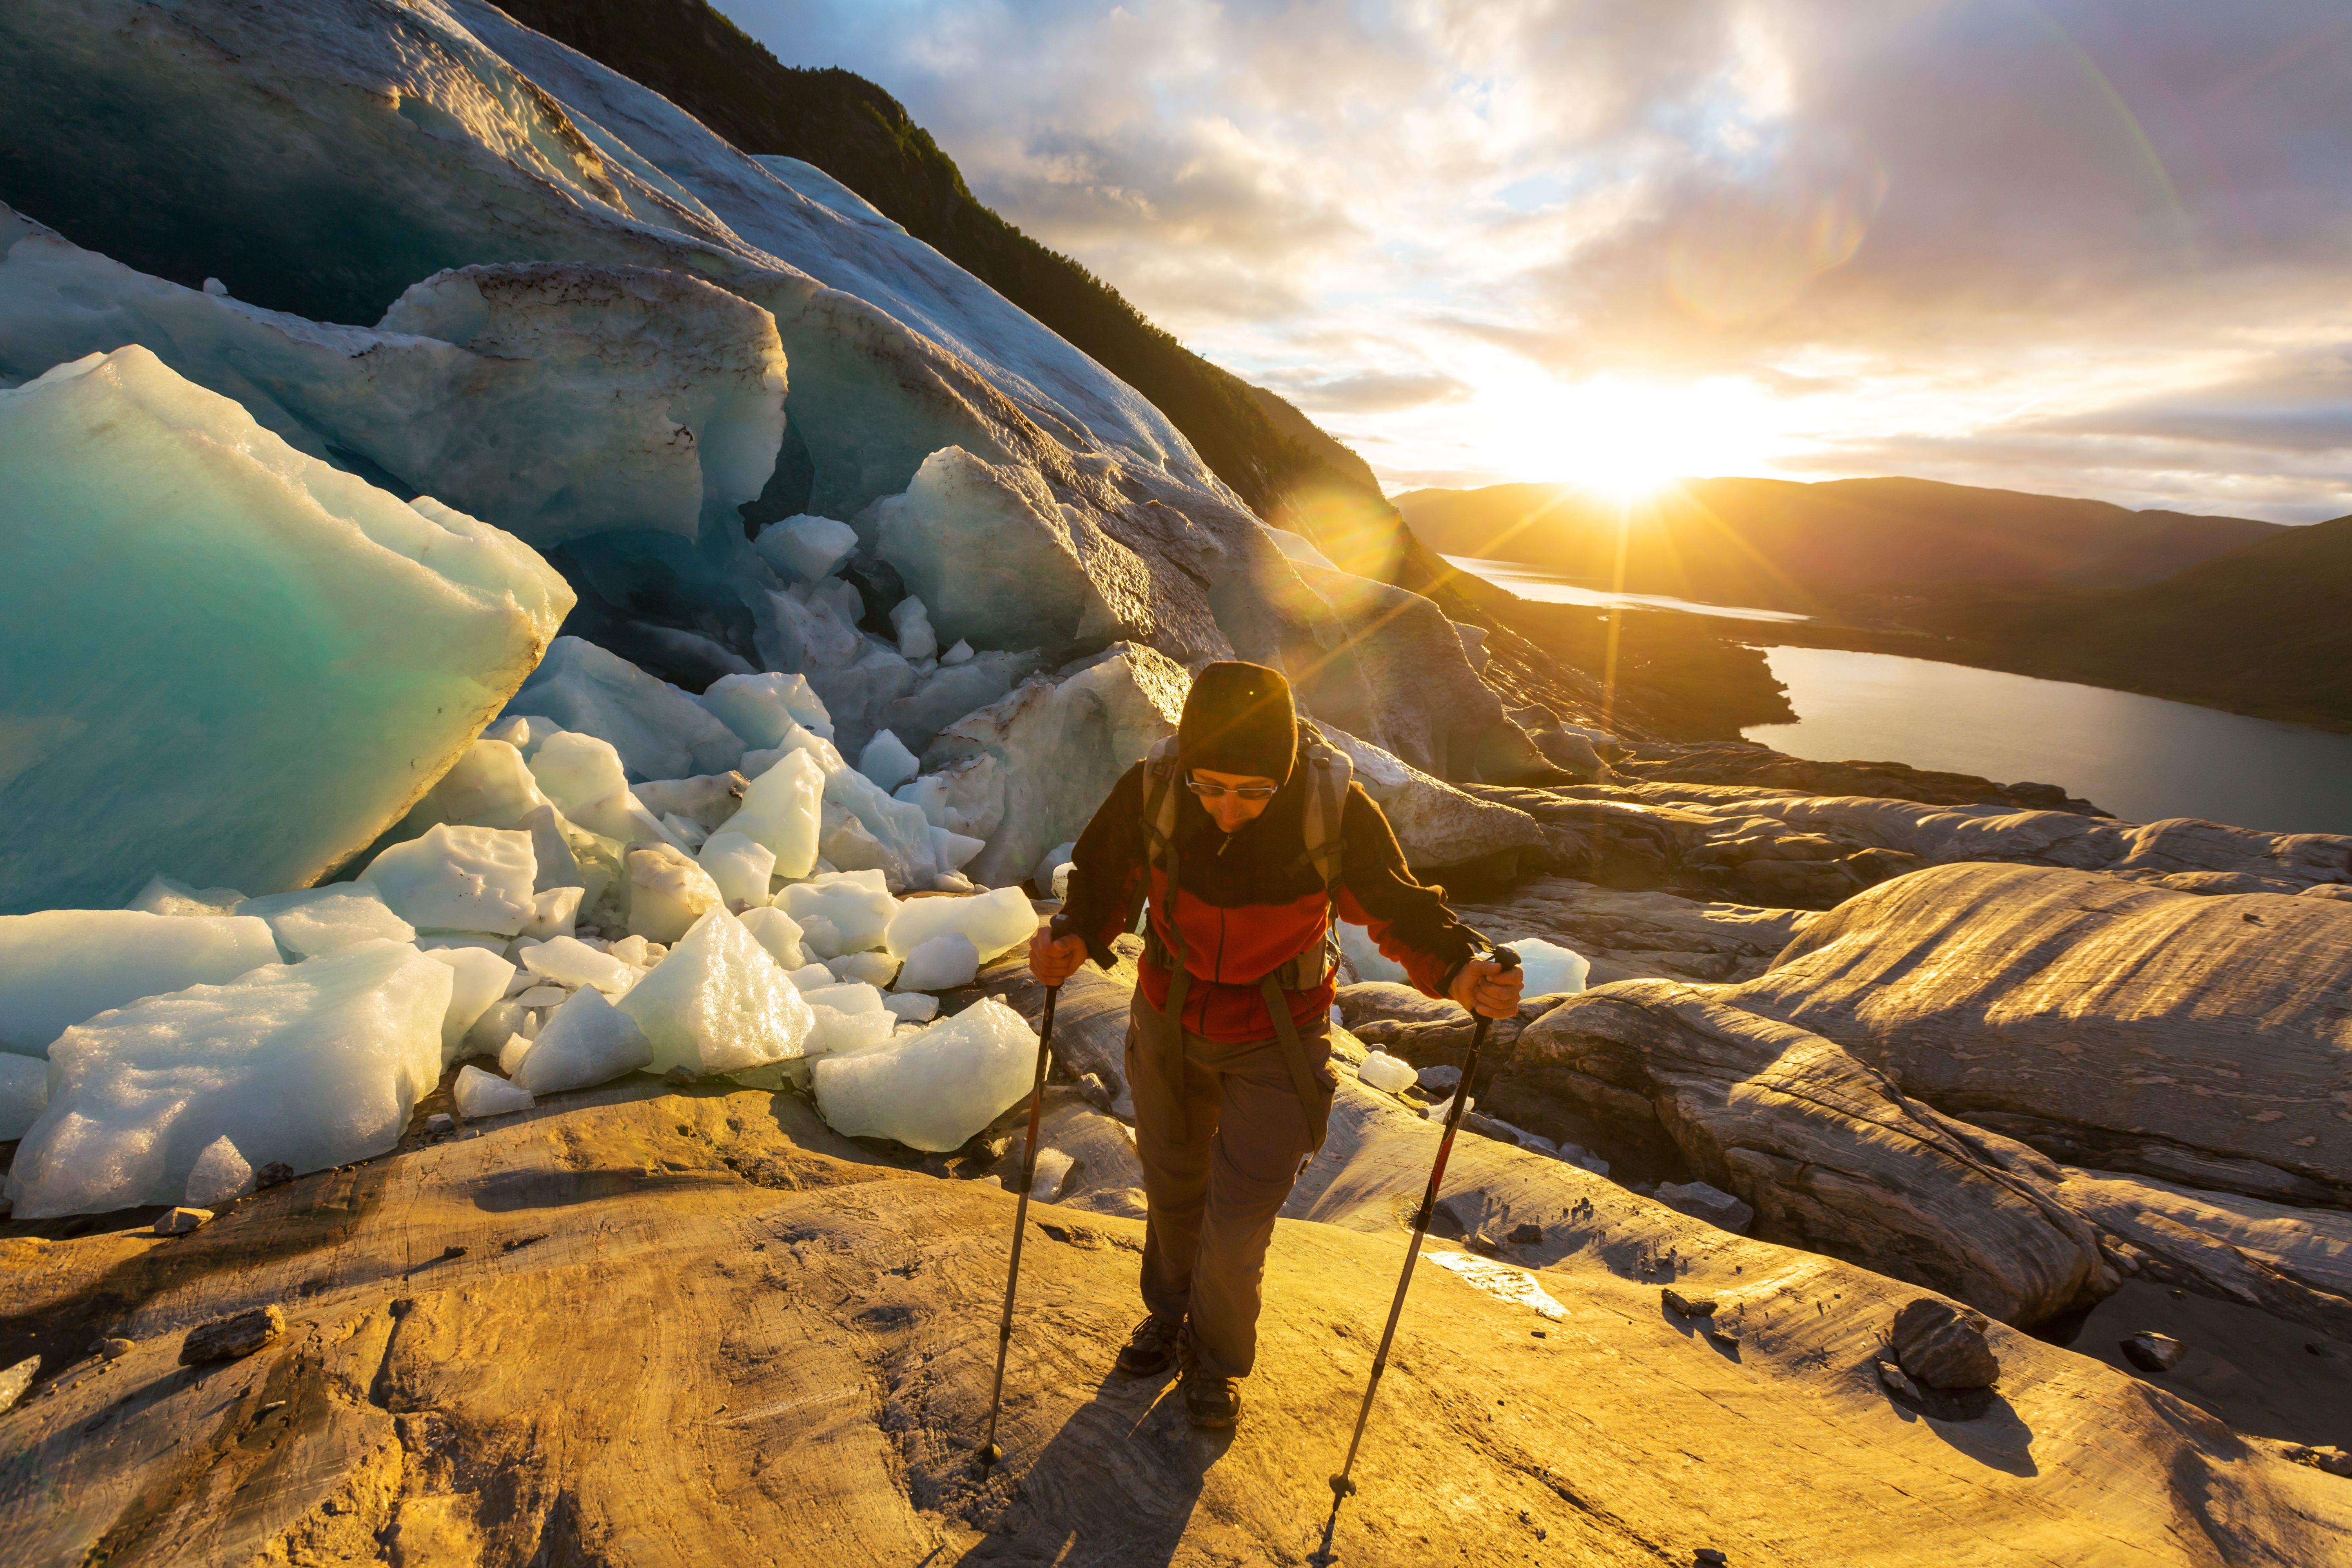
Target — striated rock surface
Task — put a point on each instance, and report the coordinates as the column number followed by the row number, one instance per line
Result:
column 2202, row 1040
column 791, row 1362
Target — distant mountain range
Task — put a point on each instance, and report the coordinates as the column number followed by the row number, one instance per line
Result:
column 2222, row 611
column 1778, row 545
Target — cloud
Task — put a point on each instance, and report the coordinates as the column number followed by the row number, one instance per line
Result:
column 1914, row 228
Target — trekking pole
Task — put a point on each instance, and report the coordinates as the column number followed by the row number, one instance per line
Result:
column 1341, row 1485
column 989, row 1452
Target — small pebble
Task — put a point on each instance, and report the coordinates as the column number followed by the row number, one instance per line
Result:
column 114, row 1349
column 440, row 1124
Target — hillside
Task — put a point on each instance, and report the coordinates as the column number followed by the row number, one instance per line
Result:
column 2259, row 630
column 859, row 134
column 1778, row 544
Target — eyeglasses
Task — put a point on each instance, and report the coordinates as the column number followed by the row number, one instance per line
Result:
column 1217, row 791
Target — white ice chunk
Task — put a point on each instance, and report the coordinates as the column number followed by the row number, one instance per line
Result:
column 587, row 1041
column 777, row 933
column 953, row 849
column 762, row 709
column 869, row 968
column 845, row 996
column 1549, row 967
column 1366, row 959
column 571, row 963
column 1045, row 1176
column 685, row 832
column 478, row 1093
column 934, row 1089
column 783, row 810
column 363, row 637
column 1050, row 863
column 660, row 732
column 512, row 1054
column 1058, row 747
column 314, row 1064
column 967, row 797
column 941, row 963
column 459, row 878
column 1060, row 891
column 219, row 1178
column 856, row 906
column 555, row 912
column 996, row 922
column 718, row 1003
column 886, row 761
column 667, row 892
column 912, row 1006
column 62, row 966
column 916, row 639
column 23, row 1092
column 812, row 977
column 741, row 865
column 807, row 547
column 478, row 981
column 491, row 786
column 1390, row 1075
column 163, row 896
column 957, row 655
column 835, row 1032
column 574, row 770
column 313, row 920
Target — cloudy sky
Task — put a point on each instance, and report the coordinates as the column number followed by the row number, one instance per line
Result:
column 2086, row 247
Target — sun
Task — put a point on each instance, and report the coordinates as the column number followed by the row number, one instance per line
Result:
column 1618, row 438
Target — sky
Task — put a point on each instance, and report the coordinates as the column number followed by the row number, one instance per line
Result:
column 2094, row 248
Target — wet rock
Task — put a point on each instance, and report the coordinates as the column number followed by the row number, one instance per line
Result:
column 1444, row 1078
column 276, row 1173
column 181, row 1221
column 678, row 1076
column 232, row 1338
column 1526, row 1235
column 1943, row 1347
column 2152, row 1351
column 440, row 1124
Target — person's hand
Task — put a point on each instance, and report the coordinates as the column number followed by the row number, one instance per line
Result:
column 1486, row 988
column 1055, row 959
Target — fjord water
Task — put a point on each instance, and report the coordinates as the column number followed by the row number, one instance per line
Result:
column 1550, row 587
column 2142, row 758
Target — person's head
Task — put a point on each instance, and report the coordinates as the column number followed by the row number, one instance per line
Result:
column 1237, row 739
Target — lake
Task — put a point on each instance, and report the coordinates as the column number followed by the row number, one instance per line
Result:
column 2140, row 757
column 1550, row 588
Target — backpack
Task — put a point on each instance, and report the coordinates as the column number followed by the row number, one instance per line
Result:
column 1329, row 772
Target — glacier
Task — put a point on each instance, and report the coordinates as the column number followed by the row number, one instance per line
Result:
column 282, row 609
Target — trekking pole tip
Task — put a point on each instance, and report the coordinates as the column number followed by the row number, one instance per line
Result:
column 989, row 1456
column 1342, row 1487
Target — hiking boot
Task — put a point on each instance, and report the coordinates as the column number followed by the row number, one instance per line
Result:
column 1211, row 1402
column 1151, row 1349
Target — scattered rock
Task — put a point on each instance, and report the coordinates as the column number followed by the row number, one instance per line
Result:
column 1526, row 1235
column 2316, row 1348
column 276, row 1173
column 1442, row 1081
column 1094, row 1092
column 16, row 1380
column 1483, row 1245
column 2152, row 1351
column 114, row 1349
column 1712, row 1204
column 2335, row 1461
column 232, row 1338
column 1689, row 1306
column 181, row 1221
column 440, row 1124
column 1943, row 1346
column 678, row 1076
column 1708, row 1557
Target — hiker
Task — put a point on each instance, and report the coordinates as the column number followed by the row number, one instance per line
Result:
column 1248, row 835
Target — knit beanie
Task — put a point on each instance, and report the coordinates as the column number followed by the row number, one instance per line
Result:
column 1238, row 719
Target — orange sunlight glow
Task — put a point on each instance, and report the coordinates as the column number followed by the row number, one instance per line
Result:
column 1616, row 438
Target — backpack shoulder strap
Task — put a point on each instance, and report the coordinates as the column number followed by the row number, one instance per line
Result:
column 1160, row 801
column 1329, row 772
